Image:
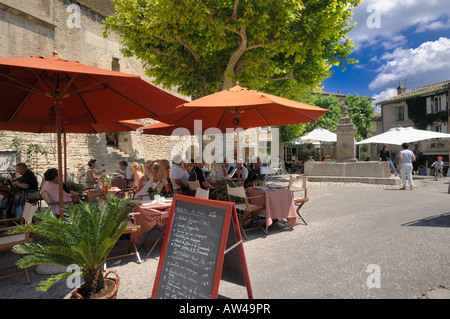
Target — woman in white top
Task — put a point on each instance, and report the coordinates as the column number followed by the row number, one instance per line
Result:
column 406, row 166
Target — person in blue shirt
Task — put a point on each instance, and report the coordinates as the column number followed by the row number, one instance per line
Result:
column 439, row 166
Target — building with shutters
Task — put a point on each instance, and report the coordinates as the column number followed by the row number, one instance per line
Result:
column 425, row 108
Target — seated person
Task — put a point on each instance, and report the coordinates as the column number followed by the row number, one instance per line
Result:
column 27, row 179
column 243, row 171
column 23, row 187
column 227, row 170
column 198, row 174
column 255, row 174
column 92, row 176
column 139, row 178
column 125, row 172
column 51, row 187
column 179, row 176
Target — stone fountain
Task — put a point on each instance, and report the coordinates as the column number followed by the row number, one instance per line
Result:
column 347, row 168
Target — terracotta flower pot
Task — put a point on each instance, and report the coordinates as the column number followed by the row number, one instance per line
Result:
column 109, row 292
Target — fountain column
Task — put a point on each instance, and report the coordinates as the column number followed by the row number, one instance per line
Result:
column 345, row 131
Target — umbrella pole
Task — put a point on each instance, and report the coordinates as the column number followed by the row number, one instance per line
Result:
column 320, row 151
column 65, row 157
column 238, row 158
column 60, row 171
column 57, row 103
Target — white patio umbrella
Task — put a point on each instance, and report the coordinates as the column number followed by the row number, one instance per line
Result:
column 318, row 135
column 400, row 135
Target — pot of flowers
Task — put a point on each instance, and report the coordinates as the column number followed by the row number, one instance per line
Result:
column 84, row 238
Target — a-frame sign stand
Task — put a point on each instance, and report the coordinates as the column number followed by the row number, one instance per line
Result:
column 202, row 245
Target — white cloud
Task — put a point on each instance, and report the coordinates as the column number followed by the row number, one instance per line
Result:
column 429, row 63
column 380, row 21
column 386, row 94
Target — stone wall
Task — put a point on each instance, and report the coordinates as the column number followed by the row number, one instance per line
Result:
column 37, row 28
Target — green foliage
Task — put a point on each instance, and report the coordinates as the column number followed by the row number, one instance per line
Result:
column 330, row 120
column 289, row 132
column 417, row 112
column 201, row 47
column 76, row 187
column 362, row 113
column 29, row 150
column 360, row 110
column 84, row 238
column 221, row 190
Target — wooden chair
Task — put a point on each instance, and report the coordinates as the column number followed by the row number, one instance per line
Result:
column 54, row 205
column 298, row 184
column 8, row 203
column 249, row 211
column 176, row 188
column 202, row 193
column 95, row 194
column 9, row 241
column 131, row 230
column 119, row 182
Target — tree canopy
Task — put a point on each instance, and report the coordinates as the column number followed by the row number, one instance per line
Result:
column 360, row 110
column 283, row 47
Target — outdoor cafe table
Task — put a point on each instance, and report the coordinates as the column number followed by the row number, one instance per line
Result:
column 279, row 204
column 151, row 215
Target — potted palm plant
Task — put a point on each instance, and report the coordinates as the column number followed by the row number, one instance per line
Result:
column 85, row 238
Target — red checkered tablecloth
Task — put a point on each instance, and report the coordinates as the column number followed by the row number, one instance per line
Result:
column 278, row 204
column 150, row 216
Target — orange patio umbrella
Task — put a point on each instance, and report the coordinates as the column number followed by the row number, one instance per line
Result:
column 165, row 129
column 54, row 91
column 240, row 107
column 85, row 128
column 244, row 108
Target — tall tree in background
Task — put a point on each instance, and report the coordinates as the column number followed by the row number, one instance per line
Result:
column 360, row 110
column 283, row 47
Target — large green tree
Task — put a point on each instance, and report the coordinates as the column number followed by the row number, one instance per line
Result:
column 284, row 47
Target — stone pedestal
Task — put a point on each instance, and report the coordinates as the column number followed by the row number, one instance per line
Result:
column 345, row 131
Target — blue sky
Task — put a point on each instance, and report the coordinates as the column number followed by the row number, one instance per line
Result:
column 397, row 42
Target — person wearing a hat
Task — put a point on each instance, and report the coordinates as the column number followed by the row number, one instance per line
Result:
column 179, row 176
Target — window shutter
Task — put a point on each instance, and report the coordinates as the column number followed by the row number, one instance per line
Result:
column 405, row 112
column 443, row 102
column 393, row 115
column 429, row 105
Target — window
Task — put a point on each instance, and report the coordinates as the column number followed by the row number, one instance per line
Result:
column 437, row 104
column 399, row 114
column 115, row 65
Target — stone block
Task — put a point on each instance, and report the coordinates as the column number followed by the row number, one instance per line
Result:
column 351, row 169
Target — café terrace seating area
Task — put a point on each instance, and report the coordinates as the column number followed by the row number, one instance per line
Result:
column 259, row 203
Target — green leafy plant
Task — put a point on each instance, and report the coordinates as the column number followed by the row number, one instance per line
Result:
column 85, row 238
column 29, row 151
column 76, row 187
column 221, row 190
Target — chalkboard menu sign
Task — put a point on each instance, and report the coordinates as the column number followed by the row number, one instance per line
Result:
column 194, row 249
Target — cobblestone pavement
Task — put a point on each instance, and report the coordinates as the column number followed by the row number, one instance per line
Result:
column 361, row 242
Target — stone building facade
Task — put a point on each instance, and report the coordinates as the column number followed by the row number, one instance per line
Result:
column 75, row 30
column 431, row 99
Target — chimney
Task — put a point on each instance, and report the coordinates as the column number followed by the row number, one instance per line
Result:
column 401, row 89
